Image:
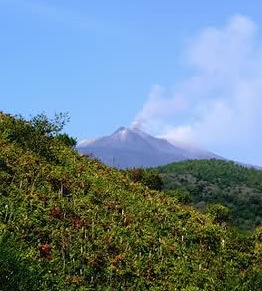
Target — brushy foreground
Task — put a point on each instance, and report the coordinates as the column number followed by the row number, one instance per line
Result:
column 67, row 222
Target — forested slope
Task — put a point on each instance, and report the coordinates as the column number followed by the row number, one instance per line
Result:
column 218, row 181
column 68, row 222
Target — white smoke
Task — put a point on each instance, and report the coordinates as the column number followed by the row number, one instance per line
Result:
column 157, row 108
column 220, row 105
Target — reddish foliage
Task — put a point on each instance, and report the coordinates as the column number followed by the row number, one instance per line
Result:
column 112, row 205
column 128, row 219
column 74, row 279
column 78, row 222
column 57, row 213
column 45, row 251
column 117, row 258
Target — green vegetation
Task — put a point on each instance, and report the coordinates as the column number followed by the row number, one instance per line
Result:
column 149, row 178
column 68, row 222
column 216, row 181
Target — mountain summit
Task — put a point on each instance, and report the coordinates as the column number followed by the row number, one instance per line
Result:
column 131, row 147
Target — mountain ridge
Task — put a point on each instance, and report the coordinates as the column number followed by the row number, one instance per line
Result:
column 132, row 147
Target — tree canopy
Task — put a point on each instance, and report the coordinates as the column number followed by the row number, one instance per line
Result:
column 236, row 187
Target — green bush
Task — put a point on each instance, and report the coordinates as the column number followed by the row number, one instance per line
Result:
column 221, row 214
column 149, row 178
column 16, row 272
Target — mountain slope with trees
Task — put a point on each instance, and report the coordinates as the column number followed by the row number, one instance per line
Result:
column 217, row 181
column 67, row 222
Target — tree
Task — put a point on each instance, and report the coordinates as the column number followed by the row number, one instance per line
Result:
column 219, row 212
column 50, row 127
column 181, row 195
column 149, row 178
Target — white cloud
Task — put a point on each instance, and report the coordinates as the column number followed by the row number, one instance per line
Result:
column 222, row 101
column 224, row 50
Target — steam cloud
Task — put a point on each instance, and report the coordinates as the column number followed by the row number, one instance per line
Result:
column 220, row 106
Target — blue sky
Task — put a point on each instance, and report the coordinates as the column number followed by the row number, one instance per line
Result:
column 184, row 70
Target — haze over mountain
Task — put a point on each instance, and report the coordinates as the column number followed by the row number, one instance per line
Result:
column 131, row 147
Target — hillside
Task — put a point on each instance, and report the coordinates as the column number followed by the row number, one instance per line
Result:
column 68, row 222
column 218, row 181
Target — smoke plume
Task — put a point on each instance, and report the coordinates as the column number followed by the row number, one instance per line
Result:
column 219, row 106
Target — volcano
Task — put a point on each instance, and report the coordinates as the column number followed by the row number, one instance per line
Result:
column 129, row 147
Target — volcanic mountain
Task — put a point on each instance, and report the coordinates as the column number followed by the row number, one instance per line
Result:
column 128, row 147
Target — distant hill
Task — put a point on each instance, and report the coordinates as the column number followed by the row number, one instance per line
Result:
column 218, row 181
column 127, row 148
column 68, row 222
